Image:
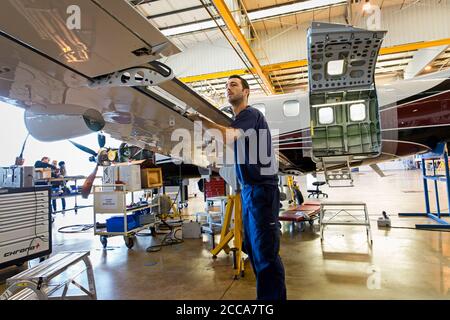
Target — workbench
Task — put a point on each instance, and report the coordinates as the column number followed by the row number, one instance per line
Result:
column 73, row 194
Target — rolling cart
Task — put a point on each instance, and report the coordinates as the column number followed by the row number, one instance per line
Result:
column 126, row 220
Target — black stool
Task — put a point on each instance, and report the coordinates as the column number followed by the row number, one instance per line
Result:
column 317, row 191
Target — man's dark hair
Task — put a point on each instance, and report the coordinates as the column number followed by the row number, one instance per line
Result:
column 44, row 158
column 243, row 82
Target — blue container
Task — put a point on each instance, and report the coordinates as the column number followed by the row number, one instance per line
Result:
column 115, row 224
column 136, row 214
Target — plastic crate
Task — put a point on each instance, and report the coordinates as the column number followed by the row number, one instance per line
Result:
column 115, row 224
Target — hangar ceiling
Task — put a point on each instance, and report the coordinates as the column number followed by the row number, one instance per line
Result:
column 190, row 22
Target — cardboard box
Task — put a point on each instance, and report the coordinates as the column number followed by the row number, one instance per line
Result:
column 42, row 173
column 191, row 230
column 131, row 177
column 151, row 178
column 110, row 175
column 16, row 177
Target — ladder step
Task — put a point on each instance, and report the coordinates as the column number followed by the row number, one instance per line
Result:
column 337, row 171
column 51, row 267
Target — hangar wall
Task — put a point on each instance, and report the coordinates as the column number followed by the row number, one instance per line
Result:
column 424, row 21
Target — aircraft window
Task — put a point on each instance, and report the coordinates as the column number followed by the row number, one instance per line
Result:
column 335, row 67
column 261, row 107
column 291, row 108
column 357, row 112
column 326, row 115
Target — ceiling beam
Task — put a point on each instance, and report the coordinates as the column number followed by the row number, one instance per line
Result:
column 302, row 63
column 139, row 2
column 239, row 37
column 169, row 13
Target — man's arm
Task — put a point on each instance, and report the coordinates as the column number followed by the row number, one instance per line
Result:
column 230, row 134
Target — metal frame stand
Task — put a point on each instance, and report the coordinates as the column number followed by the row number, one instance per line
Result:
column 440, row 153
column 234, row 202
column 36, row 282
column 351, row 210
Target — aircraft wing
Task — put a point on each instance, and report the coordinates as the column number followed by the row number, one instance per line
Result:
column 49, row 67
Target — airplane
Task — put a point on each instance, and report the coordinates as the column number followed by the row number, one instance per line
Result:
column 106, row 77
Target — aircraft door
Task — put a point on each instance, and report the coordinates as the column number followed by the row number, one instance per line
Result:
column 343, row 102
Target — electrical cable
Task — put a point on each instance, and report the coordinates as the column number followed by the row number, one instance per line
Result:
column 82, row 228
column 227, row 289
column 36, row 236
column 169, row 239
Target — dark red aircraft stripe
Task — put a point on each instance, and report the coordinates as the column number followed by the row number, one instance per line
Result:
column 418, row 113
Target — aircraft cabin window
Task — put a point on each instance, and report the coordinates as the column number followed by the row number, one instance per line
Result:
column 291, row 108
column 358, row 112
column 326, row 115
column 261, row 107
column 335, row 67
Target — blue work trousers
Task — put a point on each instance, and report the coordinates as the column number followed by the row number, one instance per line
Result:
column 260, row 207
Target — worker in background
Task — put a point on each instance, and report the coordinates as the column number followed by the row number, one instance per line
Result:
column 44, row 163
column 298, row 194
column 260, row 193
column 57, row 186
column 62, row 169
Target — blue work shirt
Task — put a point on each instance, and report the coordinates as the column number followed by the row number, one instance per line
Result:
column 254, row 149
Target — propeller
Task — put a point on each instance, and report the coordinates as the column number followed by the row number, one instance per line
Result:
column 83, row 148
column 99, row 157
column 87, row 186
column 101, row 140
column 105, row 156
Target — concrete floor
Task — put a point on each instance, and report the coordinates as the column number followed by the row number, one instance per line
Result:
column 404, row 263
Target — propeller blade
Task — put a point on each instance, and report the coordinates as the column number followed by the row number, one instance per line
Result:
column 83, row 148
column 101, row 140
column 87, row 186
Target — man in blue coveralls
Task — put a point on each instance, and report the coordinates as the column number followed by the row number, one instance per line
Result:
column 260, row 194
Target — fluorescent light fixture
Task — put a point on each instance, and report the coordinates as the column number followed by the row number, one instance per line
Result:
column 291, row 8
column 335, row 67
column 332, row 104
column 256, row 15
column 192, row 28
